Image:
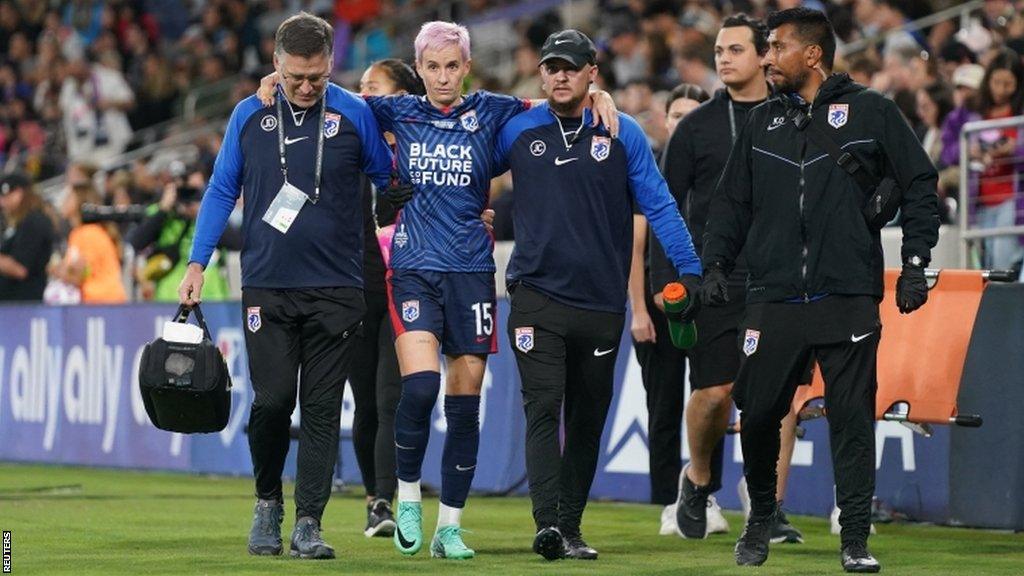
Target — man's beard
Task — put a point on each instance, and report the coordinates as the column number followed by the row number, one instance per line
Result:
column 567, row 108
column 787, row 85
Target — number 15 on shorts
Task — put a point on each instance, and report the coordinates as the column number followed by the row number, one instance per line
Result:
column 484, row 318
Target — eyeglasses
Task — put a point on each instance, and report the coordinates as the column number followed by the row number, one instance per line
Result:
column 298, row 79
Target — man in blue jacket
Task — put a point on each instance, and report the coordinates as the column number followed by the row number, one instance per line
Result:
column 575, row 188
column 299, row 165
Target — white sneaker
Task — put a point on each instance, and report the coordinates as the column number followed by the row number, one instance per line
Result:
column 668, row 521
column 717, row 524
column 836, row 528
column 741, row 491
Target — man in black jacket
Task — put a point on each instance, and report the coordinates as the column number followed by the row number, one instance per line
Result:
column 815, row 266
column 693, row 164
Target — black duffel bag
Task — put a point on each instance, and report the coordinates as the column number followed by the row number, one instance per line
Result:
column 186, row 386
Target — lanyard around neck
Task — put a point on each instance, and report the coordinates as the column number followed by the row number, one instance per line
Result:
column 319, row 144
column 561, row 130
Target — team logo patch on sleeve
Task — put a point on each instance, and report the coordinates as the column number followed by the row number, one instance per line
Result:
column 410, row 310
column 469, row 121
column 600, row 148
column 524, row 339
column 750, row 341
column 332, row 123
column 838, row 114
column 253, row 320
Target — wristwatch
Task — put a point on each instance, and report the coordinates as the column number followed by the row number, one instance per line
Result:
column 915, row 261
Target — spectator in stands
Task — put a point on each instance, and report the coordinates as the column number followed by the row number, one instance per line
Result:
column 626, row 49
column 999, row 151
column 94, row 99
column 92, row 262
column 966, row 84
column 934, row 103
column 167, row 232
column 156, row 93
column 27, row 240
column 692, row 66
column 862, row 69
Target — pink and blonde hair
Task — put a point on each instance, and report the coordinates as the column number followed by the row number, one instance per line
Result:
column 438, row 34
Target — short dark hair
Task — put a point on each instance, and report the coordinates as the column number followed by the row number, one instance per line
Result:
column 758, row 30
column 813, row 27
column 304, row 35
column 688, row 91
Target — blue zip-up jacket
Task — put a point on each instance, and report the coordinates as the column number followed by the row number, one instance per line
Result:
column 324, row 246
column 573, row 212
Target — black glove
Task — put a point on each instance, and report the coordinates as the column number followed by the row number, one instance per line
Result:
column 692, row 284
column 398, row 192
column 911, row 289
column 714, row 291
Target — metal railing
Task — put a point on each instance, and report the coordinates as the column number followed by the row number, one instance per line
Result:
column 961, row 11
column 970, row 235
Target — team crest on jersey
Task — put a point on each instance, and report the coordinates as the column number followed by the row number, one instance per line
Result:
column 524, row 339
column 332, row 123
column 401, row 238
column 750, row 341
column 838, row 114
column 410, row 310
column 538, row 147
column 269, row 123
column 253, row 320
column 600, row 148
column 469, row 121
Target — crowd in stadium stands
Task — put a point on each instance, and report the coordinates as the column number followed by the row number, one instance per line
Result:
column 80, row 79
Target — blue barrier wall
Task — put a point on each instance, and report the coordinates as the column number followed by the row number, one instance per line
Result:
column 68, row 394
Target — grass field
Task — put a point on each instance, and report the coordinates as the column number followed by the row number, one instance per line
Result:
column 108, row 522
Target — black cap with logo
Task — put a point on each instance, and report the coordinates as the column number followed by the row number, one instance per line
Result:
column 13, row 181
column 570, row 45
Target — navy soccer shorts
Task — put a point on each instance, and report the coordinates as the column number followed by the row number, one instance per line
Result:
column 458, row 308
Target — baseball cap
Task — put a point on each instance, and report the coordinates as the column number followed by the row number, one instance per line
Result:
column 13, row 181
column 969, row 75
column 570, row 45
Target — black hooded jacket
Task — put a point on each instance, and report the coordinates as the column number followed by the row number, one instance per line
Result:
column 797, row 215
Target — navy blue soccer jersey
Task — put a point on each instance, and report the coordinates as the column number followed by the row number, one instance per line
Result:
column 324, row 246
column 447, row 155
column 575, row 188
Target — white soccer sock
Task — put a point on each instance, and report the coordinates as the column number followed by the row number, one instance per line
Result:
column 409, row 491
column 448, row 516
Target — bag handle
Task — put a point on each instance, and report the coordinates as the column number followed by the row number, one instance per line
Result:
column 848, row 162
column 181, row 316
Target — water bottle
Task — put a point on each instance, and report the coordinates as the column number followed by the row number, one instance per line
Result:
column 684, row 334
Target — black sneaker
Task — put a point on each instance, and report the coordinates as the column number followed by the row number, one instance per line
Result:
column 752, row 547
column 692, row 508
column 265, row 534
column 549, row 544
column 379, row 519
column 576, row 548
column 856, row 558
column 783, row 531
column 307, row 543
